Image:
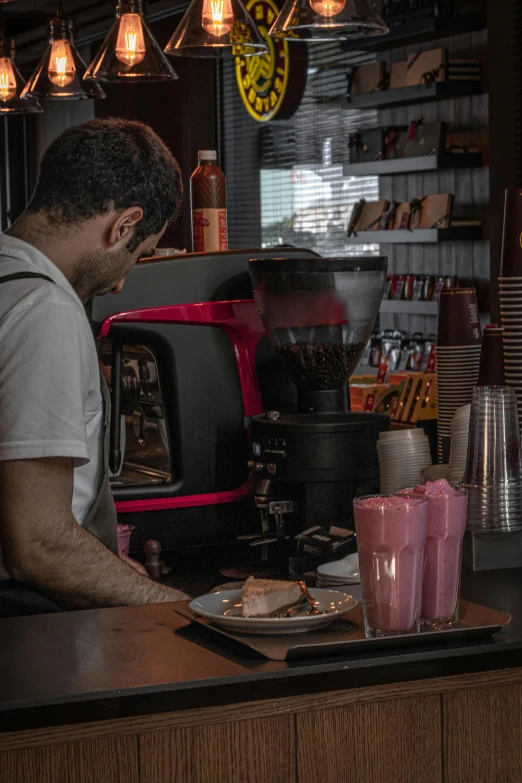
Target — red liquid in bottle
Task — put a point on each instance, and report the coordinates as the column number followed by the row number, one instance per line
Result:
column 209, row 205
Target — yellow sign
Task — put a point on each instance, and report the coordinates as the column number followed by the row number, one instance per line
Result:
column 263, row 80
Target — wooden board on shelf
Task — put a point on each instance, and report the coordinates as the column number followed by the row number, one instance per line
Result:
column 419, row 236
column 409, row 307
column 415, row 30
column 420, row 94
column 445, row 160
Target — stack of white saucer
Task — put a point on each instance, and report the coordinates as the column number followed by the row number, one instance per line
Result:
column 402, row 456
column 459, row 444
column 340, row 572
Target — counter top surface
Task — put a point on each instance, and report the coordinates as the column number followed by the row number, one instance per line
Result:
column 109, row 663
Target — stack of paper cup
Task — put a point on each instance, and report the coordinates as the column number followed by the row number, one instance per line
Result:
column 459, row 445
column 402, row 456
column 459, row 341
column 491, row 372
column 510, row 288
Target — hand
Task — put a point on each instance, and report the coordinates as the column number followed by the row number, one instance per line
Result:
column 136, row 566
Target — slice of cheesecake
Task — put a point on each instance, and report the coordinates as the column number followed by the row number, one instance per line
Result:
column 269, row 597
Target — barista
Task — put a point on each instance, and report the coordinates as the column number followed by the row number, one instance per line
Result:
column 106, row 192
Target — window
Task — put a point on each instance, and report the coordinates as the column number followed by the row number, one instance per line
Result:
column 285, row 178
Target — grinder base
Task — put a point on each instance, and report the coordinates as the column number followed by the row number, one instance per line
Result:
column 320, row 462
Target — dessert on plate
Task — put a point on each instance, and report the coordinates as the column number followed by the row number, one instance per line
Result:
column 270, row 597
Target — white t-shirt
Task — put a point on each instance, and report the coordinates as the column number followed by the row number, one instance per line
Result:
column 50, row 396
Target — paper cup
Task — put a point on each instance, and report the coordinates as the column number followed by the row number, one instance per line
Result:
column 459, row 321
column 511, row 256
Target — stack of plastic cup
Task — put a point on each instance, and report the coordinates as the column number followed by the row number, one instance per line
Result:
column 493, row 475
column 459, row 445
column 491, row 371
column 459, row 340
column 402, row 456
column 510, row 290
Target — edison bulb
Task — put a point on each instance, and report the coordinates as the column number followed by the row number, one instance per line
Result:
column 328, row 7
column 130, row 44
column 7, row 80
column 217, row 17
column 61, row 63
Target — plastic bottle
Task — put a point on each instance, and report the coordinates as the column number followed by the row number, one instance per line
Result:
column 209, row 205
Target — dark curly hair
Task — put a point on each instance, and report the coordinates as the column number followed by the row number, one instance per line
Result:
column 108, row 164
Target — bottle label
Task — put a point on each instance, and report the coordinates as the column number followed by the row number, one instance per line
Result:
column 209, row 227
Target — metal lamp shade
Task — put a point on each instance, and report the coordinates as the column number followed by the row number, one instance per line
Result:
column 74, row 88
column 326, row 20
column 216, row 28
column 15, row 104
column 141, row 61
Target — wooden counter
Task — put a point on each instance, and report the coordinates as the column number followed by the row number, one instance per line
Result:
column 116, row 696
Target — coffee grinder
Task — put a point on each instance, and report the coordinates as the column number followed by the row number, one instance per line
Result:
column 310, row 464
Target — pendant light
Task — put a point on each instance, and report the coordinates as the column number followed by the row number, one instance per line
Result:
column 130, row 53
column 216, row 28
column 327, row 20
column 60, row 72
column 12, row 84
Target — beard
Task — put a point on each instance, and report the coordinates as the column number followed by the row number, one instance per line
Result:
column 97, row 272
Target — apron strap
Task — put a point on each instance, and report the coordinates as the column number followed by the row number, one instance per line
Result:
column 24, row 276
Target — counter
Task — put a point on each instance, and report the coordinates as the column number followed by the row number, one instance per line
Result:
column 120, row 696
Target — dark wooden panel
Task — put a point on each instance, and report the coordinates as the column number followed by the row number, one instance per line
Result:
column 112, row 760
column 397, row 741
column 249, row 751
column 168, row 721
column 482, row 735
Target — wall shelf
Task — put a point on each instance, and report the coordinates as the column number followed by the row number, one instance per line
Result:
column 422, row 93
column 418, row 236
column 407, row 307
column 444, row 160
column 415, row 30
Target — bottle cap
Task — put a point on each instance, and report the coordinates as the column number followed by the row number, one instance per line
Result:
column 207, row 155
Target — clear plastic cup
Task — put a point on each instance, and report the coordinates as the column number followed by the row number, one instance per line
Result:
column 391, row 537
column 493, row 476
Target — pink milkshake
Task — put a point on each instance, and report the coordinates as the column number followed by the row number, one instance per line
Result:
column 391, row 536
column 447, row 509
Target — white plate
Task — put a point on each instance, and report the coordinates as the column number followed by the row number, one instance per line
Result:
column 224, row 610
column 347, row 568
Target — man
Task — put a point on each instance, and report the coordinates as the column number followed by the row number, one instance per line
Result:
column 106, row 192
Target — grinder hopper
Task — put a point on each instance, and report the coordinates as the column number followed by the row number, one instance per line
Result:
column 318, row 314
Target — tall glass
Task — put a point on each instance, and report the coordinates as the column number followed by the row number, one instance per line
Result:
column 391, row 538
column 441, row 585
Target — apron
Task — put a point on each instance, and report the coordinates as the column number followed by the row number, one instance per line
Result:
column 17, row 598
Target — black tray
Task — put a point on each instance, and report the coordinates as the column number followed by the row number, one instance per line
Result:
column 346, row 635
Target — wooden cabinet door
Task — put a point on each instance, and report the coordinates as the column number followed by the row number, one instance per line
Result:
column 483, row 735
column 113, row 760
column 261, row 750
column 383, row 742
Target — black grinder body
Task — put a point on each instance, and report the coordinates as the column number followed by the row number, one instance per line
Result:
column 320, row 462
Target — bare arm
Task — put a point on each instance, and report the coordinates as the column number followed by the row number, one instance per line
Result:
column 44, row 546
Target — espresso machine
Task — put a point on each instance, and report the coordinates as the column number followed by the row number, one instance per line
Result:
column 311, row 463
column 193, row 365
column 185, row 354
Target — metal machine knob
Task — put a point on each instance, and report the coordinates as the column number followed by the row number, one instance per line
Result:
column 272, row 415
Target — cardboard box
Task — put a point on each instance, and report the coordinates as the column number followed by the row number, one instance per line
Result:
column 368, row 78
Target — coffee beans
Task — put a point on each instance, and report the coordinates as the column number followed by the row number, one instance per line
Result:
column 320, row 366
